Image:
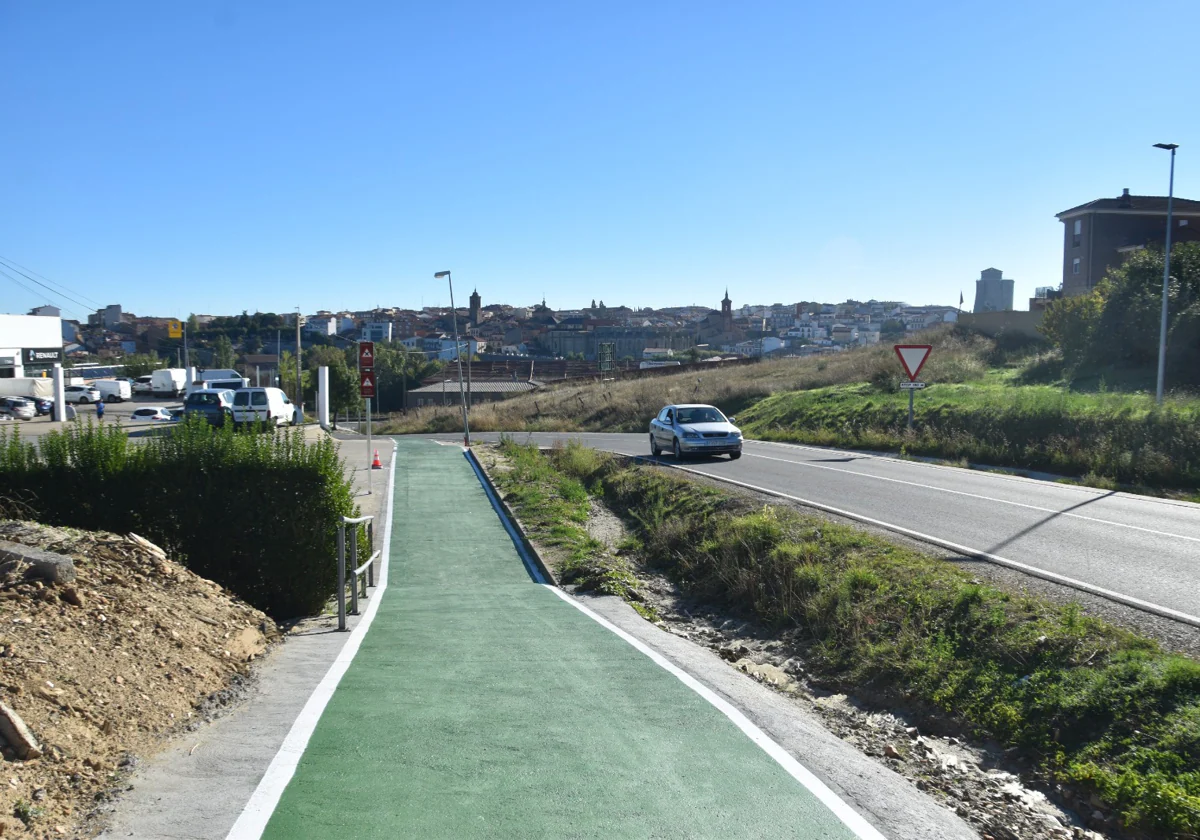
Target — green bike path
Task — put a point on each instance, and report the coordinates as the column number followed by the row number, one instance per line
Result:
column 480, row 704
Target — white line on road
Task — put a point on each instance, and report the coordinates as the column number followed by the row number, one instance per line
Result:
column 1128, row 600
column 975, row 496
column 849, row 817
column 257, row 813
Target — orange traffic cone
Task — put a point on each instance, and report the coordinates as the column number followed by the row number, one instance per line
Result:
column 375, row 465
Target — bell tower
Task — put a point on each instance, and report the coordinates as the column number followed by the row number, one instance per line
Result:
column 475, row 308
column 727, row 313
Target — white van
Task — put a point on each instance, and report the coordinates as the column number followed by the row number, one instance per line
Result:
column 215, row 385
column 114, row 390
column 268, row 405
column 221, row 375
column 168, row 382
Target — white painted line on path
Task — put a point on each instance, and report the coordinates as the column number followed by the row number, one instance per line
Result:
column 258, row 810
column 1127, row 600
column 811, row 465
column 849, row 817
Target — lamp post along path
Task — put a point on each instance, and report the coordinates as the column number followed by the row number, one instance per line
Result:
column 462, row 397
column 1162, row 332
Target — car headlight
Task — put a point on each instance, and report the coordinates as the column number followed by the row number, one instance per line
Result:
column 737, row 433
column 691, row 434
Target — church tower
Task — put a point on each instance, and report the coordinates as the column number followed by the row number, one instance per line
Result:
column 475, row 308
column 727, row 313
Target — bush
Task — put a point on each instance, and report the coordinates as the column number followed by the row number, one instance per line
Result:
column 256, row 513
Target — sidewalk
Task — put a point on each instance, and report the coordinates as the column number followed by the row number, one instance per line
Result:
column 481, row 704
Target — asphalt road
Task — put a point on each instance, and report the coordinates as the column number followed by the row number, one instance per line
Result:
column 1135, row 547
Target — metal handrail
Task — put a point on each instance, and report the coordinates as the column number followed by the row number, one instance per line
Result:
column 358, row 571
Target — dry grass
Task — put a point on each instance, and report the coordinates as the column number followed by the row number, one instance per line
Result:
column 627, row 406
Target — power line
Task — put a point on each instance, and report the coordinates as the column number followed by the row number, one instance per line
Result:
column 16, row 265
column 19, row 283
column 86, row 308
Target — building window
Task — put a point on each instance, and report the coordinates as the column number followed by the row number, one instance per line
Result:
column 1075, row 266
column 1078, row 233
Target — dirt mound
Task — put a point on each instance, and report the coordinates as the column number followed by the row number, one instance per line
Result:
column 101, row 667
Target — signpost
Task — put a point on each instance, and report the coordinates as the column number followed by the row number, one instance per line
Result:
column 366, row 390
column 604, row 356
column 913, row 358
column 174, row 329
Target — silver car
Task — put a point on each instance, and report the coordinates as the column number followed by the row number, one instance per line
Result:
column 695, row 430
column 18, row 408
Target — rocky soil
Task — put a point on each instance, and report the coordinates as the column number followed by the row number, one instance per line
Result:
column 101, row 668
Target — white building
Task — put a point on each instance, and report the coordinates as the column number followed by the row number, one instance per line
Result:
column 321, row 325
column 377, row 331
column 29, row 344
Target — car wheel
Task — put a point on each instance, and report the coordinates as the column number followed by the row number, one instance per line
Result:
column 654, row 450
column 84, row 401
column 678, row 451
column 733, row 456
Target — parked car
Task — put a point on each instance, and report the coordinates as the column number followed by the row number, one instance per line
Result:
column 215, row 406
column 18, row 408
column 694, row 430
column 143, row 384
column 151, row 412
column 263, row 405
column 114, row 390
column 43, row 405
column 82, row 394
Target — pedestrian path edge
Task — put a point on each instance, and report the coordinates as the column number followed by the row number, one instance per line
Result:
column 261, row 806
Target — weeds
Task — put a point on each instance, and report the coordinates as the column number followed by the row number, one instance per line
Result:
column 1089, row 704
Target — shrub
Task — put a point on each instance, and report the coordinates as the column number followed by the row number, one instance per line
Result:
column 256, row 513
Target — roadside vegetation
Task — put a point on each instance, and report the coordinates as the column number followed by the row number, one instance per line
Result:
column 1088, row 704
column 256, row 512
column 554, row 507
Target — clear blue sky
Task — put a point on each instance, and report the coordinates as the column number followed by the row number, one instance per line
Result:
column 212, row 157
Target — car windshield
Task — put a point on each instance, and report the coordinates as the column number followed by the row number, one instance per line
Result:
column 698, row 415
column 204, row 399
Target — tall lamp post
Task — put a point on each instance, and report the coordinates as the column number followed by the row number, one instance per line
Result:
column 1162, row 333
column 457, row 352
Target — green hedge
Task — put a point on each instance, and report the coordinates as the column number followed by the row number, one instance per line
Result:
column 255, row 512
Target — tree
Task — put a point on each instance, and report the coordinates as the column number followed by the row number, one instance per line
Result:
column 193, row 325
column 253, row 343
column 141, row 364
column 223, row 355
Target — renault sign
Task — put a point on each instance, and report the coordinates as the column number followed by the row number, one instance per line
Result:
column 41, row 355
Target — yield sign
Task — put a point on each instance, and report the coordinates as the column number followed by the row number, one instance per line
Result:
column 913, row 357
column 366, row 354
column 366, row 383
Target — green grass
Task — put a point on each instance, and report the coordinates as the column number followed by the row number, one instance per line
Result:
column 1119, row 438
column 1089, row 704
column 554, row 506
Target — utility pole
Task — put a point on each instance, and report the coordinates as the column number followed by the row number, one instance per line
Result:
column 1162, row 332
column 187, row 359
column 299, row 390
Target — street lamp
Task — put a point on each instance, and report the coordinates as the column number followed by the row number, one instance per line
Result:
column 454, row 319
column 1162, row 333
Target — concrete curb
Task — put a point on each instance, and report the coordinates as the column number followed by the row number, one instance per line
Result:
column 526, row 542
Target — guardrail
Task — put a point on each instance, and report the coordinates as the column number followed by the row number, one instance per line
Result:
column 364, row 573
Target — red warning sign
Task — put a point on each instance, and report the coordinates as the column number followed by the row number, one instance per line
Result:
column 366, row 384
column 366, row 354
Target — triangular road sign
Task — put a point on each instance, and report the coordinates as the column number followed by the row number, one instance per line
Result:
column 366, row 354
column 913, row 357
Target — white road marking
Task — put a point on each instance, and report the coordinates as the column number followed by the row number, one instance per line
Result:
column 1128, row 600
column 257, row 813
column 848, row 816
column 976, row 496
